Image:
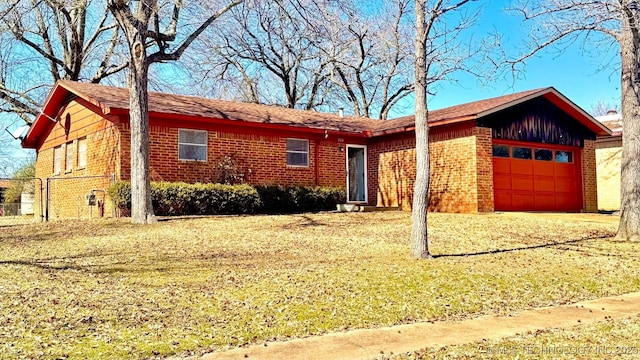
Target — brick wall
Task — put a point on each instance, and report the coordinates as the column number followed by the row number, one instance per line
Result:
column 68, row 188
column 261, row 156
column 608, row 160
column 484, row 165
column 589, row 177
column 454, row 170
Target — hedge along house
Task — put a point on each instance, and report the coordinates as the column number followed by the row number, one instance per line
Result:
column 527, row 151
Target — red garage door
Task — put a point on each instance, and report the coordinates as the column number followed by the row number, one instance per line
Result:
column 532, row 178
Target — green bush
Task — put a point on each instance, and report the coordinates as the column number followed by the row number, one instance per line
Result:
column 194, row 199
column 120, row 194
column 190, row 199
column 277, row 199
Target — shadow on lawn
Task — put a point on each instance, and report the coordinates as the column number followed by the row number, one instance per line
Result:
column 548, row 245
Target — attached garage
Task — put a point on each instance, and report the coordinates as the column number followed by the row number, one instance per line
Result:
column 528, row 151
column 537, row 154
column 536, row 177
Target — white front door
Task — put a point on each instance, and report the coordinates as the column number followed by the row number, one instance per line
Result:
column 357, row 173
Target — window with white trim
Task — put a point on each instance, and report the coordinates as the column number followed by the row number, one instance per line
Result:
column 57, row 160
column 298, row 152
column 82, row 153
column 69, row 154
column 192, row 145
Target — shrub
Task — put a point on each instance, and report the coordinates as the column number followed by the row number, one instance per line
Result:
column 191, row 199
column 120, row 194
column 278, row 199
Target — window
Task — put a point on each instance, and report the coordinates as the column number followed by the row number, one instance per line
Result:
column 544, row 155
column 297, row 152
column 57, row 160
column 68, row 165
column 521, row 153
column 82, row 153
column 192, row 145
column 501, row 151
column 564, row 156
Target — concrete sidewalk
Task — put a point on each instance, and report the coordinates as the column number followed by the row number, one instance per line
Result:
column 367, row 344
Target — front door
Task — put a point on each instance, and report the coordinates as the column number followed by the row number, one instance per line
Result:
column 356, row 173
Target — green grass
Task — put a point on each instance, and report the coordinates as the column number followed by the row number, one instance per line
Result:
column 85, row 289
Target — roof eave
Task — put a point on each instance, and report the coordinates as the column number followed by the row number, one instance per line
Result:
column 48, row 116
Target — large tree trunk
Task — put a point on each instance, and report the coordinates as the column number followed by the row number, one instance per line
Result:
column 629, row 228
column 419, row 237
column 141, row 207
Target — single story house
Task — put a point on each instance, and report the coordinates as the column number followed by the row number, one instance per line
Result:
column 528, row 151
column 609, row 162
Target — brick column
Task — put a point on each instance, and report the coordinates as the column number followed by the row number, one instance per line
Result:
column 589, row 177
column 484, row 164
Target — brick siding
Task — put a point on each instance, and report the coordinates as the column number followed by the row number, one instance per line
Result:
column 458, row 182
column 484, row 166
column 609, row 164
column 589, row 176
column 460, row 158
column 261, row 156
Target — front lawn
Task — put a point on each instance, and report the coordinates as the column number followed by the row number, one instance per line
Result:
column 110, row 289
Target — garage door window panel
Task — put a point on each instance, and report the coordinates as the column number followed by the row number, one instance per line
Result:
column 521, row 153
column 543, row 155
column 564, row 156
column 501, row 151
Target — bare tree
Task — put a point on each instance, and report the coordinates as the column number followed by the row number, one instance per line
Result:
column 141, row 23
column 440, row 51
column 371, row 58
column 313, row 54
column 602, row 108
column 601, row 25
column 44, row 41
column 270, row 51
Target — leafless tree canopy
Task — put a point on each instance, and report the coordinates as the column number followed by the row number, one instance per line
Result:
column 44, row 41
column 602, row 108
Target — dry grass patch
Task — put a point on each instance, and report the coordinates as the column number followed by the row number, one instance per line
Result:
column 603, row 340
column 112, row 289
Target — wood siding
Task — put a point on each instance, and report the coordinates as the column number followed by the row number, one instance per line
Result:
column 537, row 120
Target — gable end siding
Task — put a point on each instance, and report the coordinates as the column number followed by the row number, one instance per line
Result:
column 537, row 120
column 68, row 189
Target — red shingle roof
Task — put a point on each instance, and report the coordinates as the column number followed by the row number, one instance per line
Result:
column 458, row 113
column 113, row 100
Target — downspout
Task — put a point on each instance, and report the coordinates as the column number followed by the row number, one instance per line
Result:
column 46, row 211
column 317, row 155
column 317, row 159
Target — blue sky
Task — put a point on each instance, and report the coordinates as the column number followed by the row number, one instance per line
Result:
column 585, row 78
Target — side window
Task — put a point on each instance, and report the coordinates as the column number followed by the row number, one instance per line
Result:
column 82, row 153
column 57, row 160
column 297, row 152
column 192, row 145
column 68, row 164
